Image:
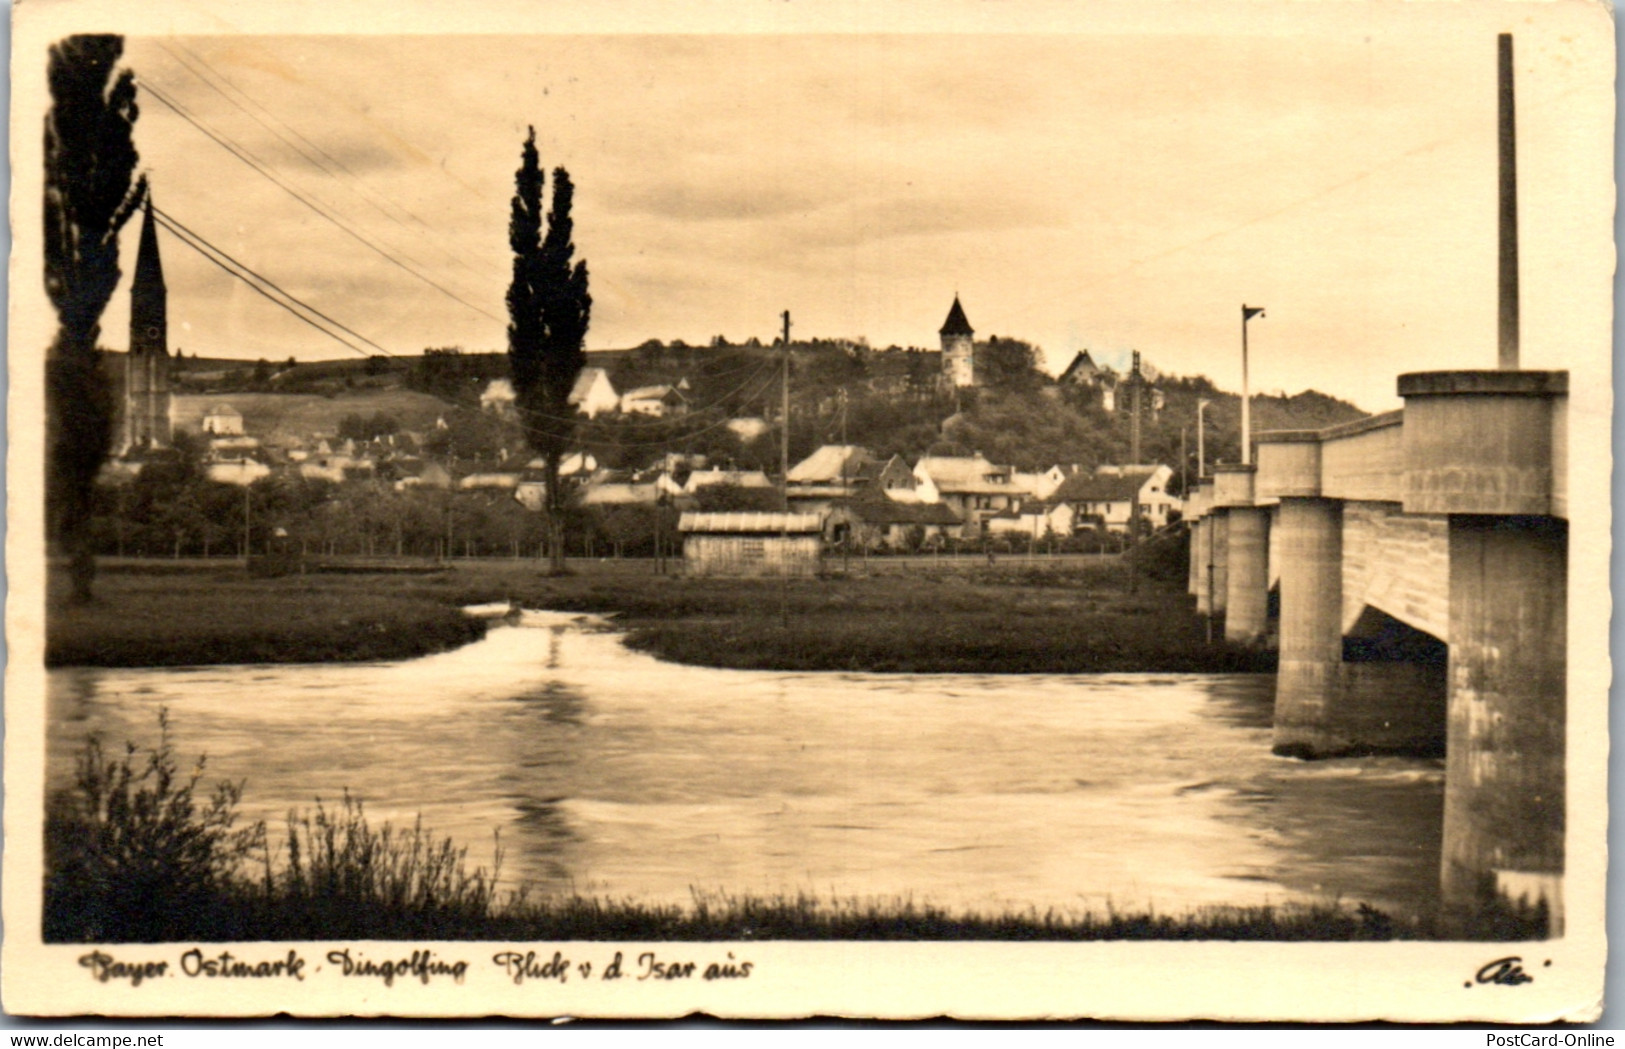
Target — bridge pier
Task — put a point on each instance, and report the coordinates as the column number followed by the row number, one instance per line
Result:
column 1248, row 579
column 1308, row 681
column 1488, row 448
column 1504, row 778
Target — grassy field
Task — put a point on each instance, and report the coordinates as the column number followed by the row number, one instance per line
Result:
column 298, row 414
column 1070, row 616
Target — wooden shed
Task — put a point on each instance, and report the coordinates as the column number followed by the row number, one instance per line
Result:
column 751, row 544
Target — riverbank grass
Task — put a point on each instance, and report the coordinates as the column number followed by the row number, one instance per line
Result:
column 219, row 615
column 135, row 852
column 1069, row 616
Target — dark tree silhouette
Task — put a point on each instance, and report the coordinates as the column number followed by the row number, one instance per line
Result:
column 89, row 158
column 548, row 309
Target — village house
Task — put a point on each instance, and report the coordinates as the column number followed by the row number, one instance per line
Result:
column 698, row 479
column 1114, row 497
column 501, row 474
column 593, row 394
column 337, row 466
column 829, row 476
column 1083, row 371
column 748, row 428
column 899, row 519
column 657, row 401
column 1037, row 520
column 832, row 464
column 498, row 398
column 531, row 491
column 972, row 487
column 420, row 473
column 1040, row 485
column 223, row 421
column 751, row 544
column 895, row 476
column 614, row 489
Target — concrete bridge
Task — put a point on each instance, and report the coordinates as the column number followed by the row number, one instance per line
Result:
column 1412, row 568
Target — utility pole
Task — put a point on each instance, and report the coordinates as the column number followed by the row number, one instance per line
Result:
column 1136, row 394
column 784, row 481
column 1508, row 148
column 784, row 433
column 846, row 495
column 1201, row 433
column 1184, row 464
column 1247, row 314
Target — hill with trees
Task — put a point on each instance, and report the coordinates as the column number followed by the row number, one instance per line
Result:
column 841, row 391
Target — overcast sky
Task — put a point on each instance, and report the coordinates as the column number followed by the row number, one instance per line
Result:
column 1111, row 192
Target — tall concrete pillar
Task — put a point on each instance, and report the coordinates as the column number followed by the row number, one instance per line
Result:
column 1219, row 562
column 1486, row 448
column 1308, row 681
column 1504, row 770
column 1248, row 577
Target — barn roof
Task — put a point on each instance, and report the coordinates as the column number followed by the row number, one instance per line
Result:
column 830, row 463
column 971, row 476
column 744, row 523
column 585, row 380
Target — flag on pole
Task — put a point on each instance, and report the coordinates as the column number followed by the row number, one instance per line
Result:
column 1249, row 312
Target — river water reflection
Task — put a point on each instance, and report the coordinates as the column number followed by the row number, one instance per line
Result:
column 612, row 774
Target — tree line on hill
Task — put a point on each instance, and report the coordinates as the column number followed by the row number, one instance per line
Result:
column 888, row 400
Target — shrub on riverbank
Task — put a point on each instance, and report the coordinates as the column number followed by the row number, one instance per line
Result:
column 133, row 855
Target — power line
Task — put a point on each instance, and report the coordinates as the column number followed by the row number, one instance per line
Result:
column 357, row 186
column 247, row 158
column 261, row 277
column 261, row 291
column 227, row 266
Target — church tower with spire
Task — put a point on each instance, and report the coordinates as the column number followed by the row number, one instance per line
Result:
column 146, row 369
column 958, row 349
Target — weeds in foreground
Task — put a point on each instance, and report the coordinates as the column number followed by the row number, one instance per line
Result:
column 133, row 855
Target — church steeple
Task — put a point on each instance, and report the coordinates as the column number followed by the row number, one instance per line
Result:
column 146, row 366
column 149, row 308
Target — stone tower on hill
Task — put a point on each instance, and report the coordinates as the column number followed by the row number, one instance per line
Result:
column 146, row 367
column 958, row 351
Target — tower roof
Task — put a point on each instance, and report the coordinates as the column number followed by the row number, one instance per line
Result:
column 149, row 271
column 956, row 324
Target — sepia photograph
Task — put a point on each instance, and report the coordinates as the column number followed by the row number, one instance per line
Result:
column 784, row 511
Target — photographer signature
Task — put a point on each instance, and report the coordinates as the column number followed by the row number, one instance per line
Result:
column 1507, row 972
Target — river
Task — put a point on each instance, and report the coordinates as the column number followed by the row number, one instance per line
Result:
column 609, row 773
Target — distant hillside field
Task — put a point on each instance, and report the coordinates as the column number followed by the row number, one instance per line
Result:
column 275, row 415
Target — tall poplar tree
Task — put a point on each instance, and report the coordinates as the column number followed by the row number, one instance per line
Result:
column 548, row 311
column 89, row 158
